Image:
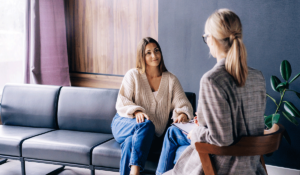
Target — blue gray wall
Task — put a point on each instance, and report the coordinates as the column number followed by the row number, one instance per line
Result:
column 271, row 34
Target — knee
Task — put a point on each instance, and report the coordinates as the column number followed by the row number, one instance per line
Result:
column 172, row 130
column 147, row 124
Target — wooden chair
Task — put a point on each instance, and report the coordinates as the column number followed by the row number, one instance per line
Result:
column 246, row 146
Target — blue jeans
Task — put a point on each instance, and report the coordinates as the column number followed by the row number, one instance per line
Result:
column 170, row 153
column 135, row 139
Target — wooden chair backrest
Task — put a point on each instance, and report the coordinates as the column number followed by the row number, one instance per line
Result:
column 246, row 146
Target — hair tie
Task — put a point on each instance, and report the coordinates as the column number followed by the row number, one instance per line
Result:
column 231, row 38
column 234, row 36
column 238, row 35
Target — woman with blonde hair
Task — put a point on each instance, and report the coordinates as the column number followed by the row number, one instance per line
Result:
column 147, row 96
column 232, row 102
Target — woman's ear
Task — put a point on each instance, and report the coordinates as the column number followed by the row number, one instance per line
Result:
column 212, row 41
column 213, row 46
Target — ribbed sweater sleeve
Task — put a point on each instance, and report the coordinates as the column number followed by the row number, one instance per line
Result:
column 125, row 103
column 180, row 103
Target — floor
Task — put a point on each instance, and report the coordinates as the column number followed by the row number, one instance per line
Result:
column 13, row 167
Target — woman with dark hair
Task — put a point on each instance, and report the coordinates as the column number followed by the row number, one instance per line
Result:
column 231, row 104
column 147, row 96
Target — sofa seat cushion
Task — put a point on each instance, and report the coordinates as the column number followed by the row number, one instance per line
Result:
column 11, row 138
column 108, row 154
column 64, row 146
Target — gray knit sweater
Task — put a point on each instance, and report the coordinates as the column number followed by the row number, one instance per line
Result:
column 136, row 94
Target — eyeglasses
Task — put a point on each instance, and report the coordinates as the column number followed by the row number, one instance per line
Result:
column 205, row 38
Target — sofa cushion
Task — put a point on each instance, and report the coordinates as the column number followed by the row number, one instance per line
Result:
column 89, row 109
column 11, row 138
column 108, row 154
column 29, row 105
column 64, row 146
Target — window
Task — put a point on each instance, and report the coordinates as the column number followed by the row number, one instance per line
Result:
column 12, row 41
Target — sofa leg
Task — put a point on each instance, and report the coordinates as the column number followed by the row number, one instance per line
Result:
column 23, row 166
column 58, row 170
column 3, row 161
column 92, row 168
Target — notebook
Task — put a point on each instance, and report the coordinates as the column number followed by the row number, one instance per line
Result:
column 185, row 127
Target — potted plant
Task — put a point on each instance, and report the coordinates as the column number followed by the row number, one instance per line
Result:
column 290, row 111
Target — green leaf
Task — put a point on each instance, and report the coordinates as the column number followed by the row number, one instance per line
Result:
column 290, row 118
column 287, row 137
column 268, row 121
column 275, row 118
column 291, row 109
column 285, row 70
column 297, row 93
column 282, row 86
column 274, row 82
column 295, row 78
column 273, row 98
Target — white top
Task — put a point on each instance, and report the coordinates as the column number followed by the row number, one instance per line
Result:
column 155, row 93
column 136, row 94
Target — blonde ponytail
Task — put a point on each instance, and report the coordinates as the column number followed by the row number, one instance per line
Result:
column 225, row 26
column 236, row 62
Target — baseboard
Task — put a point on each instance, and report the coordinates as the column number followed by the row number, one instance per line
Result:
column 275, row 170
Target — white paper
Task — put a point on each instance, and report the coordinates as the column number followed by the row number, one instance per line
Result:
column 185, row 127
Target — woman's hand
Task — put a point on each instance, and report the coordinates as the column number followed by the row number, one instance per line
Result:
column 139, row 116
column 196, row 119
column 190, row 135
column 197, row 123
column 181, row 118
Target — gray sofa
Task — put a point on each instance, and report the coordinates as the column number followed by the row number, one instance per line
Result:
column 68, row 126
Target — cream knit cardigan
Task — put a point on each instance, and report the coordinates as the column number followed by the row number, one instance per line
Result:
column 136, row 94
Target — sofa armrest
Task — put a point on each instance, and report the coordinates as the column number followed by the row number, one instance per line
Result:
column 0, row 115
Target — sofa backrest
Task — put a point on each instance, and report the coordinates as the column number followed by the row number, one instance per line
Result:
column 86, row 109
column 29, row 105
column 192, row 98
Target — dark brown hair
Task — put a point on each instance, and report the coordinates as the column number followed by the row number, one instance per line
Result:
column 140, row 56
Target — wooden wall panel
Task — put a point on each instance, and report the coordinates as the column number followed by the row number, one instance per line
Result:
column 102, row 35
column 96, row 81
